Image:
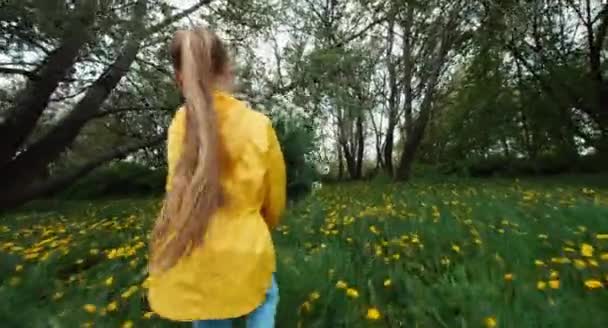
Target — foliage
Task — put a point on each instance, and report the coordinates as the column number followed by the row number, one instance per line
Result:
column 120, row 179
column 451, row 253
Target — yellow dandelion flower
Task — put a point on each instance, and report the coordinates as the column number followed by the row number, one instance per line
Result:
column 109, row 281
column 148, row 315
column 586, row 250
column 352, row 293
column 127, row 324
column 561, row 260
column 31, row 256
column 388, row 283
column 601, row 236
column 580, row 264
column 112, row 306
column 19, row 268
column 490, row 322
column 306, row 307
column 57, row 296
column 554, row 284
column 541, row 285
column 593, row 263
column 593, row 284
column 539, row 263
column 456, row 248
column 373, row 314
column 341, row 285
column 314, row 296
column 554, row 274
column 87, row 324
column 374, row 230
column 90, row 308
column 129, row 292
column 508, row 276
column 604, row 256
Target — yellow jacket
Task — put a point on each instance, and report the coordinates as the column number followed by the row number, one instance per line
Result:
column 228, row 276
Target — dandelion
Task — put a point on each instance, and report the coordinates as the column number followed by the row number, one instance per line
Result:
column 554, row 274
column 306, row 307
column 108, row 282
column 112, row 306
column 148, row 315
column 388, row 283
column 352, row 293
column 561, row 260
column 314, row 296
column 373, row 314
column 19, row 268
column 586, row 250
column 445, row 261
column 341, row 285
column 456, row 248
column 374, row 230
column 604, row 256
column 127, row 324
column 554, row 284
column 129, row 292
column 580, row 264
column 539, row 263
column 508, row 277
column 490, row 322
column 593, row 263
column 57, row 296
column 601, row 236
column 541, row 285
column 90, row 308
column 593, row 284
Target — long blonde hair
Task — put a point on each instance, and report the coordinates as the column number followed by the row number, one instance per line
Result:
column 196, row 192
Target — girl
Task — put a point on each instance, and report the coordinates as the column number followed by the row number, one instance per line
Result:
column 212, row 257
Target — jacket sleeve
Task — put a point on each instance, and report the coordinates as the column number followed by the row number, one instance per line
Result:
column 175, row 139
column 275, row 180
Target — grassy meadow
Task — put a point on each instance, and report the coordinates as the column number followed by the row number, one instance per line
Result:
column 463, row 253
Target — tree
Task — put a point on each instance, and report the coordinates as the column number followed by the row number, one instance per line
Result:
column 80, row 63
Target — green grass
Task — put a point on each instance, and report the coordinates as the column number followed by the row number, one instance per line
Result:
column 445, row 247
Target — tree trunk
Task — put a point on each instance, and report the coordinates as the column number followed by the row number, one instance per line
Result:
column 360, row 148
column 20, row 174
column 393, row 101
column 17, row 196
column 340, row 162
column 417, row 128
column 34, row 98
column 36, row 158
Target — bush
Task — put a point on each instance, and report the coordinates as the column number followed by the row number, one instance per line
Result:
column 296, row 141
column 119, row 179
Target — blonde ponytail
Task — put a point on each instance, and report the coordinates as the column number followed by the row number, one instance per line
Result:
column 196, row 192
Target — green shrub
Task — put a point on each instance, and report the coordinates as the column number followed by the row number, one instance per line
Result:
column 119, row 179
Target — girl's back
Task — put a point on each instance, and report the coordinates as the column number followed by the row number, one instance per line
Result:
column 228, row 276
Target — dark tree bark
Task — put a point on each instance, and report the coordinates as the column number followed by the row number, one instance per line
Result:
column 24, row 167
column 17, row 196
column 33, row 99
column 446, row 40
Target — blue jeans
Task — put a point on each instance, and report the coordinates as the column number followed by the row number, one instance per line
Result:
column 262, row 317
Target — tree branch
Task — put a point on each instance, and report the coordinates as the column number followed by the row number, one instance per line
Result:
column 59, row 182
column 33, row 99
column 16, row 71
